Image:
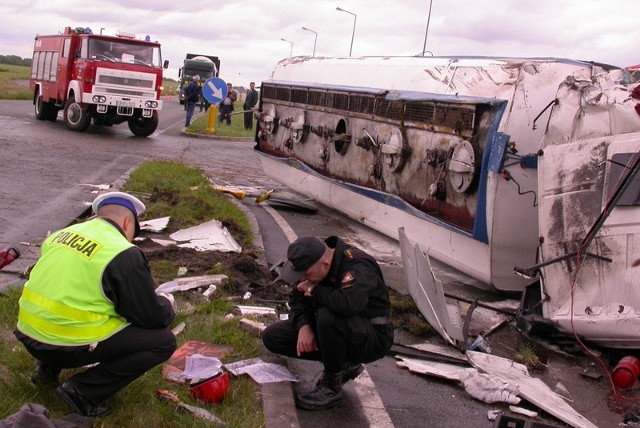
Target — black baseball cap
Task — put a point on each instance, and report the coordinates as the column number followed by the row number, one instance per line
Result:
column 301, row 255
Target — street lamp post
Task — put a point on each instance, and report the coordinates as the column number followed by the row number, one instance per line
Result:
column 354, row 26
column 426, row 33
column 291, row 51
column 314, row 40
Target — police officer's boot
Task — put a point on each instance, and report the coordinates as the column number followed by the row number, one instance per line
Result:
column 326, row 394
column 351, row 371
column 45, row 374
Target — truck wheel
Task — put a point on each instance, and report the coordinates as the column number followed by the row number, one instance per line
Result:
column 75, row 117
column 42, row 108
column 143, row 126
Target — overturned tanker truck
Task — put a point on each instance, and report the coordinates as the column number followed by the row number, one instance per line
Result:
column 509, row 174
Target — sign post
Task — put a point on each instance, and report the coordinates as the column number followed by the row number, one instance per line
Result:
column 214, row 90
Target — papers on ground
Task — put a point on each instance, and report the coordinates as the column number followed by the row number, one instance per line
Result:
column 260, row 371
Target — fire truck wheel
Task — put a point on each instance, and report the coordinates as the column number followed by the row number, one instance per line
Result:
column 75, row 117
column 42, row 108
column 143, row 126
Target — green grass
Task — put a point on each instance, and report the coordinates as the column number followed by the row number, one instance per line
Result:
column 14, row 82
column 169, row 87
column 136, row 405
column 406, row 314
column 185, row 194
column 236, row 129
column 531, row 355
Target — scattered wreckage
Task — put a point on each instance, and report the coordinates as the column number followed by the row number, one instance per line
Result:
column 482, row 168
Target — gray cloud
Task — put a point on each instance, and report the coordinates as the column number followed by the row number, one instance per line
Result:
column 246, row 35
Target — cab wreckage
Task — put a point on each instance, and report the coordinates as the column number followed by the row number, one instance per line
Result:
column 508, row 174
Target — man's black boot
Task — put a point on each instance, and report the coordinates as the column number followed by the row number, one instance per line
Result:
column 351, row 372
column 326, row 394
column 78, row 403
column 45, row 374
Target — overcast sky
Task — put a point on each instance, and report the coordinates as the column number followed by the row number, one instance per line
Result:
column 246, row 35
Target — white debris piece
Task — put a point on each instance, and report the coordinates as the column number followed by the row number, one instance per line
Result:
column 492, row 415
column 523, row 411
column 487, row 388
column 440, row 349
column 562, row 391
column 208, row 236
column 256, row 310
column 164, row 242
column 202, row 280
column 209, row 291
column 97, row 186
column 431, row 368
column 191, row 282
column 155, row 225
column 252, row 326
column 531, row 389
column 260, row 371
column 198, row 367
column 178, row 329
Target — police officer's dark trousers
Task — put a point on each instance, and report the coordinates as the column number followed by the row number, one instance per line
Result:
column 122, row 358
column 342, row 341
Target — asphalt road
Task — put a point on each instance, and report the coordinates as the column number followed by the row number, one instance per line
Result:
column 48, row 175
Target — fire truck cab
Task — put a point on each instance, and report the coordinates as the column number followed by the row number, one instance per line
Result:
column 110, row 79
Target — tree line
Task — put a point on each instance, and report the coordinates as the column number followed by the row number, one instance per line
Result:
column 14, row 60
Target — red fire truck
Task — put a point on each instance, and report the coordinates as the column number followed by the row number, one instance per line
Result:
column 110, row 79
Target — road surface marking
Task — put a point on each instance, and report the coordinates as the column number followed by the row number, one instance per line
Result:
column 284, row 226
column 372, row 405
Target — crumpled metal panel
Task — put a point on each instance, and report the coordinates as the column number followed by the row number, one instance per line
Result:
column 594, row 123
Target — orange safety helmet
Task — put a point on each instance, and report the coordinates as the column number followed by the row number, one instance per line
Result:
column 212, row 390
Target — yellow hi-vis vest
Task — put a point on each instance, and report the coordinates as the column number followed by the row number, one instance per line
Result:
column 63, row 302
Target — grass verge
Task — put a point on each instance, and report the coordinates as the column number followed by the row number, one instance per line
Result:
column 167, row 187
column 14, row 82
column 185, row 194
column 235, row 130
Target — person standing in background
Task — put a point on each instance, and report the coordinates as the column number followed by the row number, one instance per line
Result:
column 226, row 105
column 191, row 98
column 250, row 102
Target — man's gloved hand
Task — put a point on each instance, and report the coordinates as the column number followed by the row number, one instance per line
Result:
column 170, row 298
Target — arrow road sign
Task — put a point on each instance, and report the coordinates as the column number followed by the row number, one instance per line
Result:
column 214, row 90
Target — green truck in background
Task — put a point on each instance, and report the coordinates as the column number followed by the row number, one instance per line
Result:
column 206, row 66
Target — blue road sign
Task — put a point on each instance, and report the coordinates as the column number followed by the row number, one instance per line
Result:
column 214, row 90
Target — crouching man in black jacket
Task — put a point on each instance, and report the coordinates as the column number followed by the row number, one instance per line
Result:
column 339, row 315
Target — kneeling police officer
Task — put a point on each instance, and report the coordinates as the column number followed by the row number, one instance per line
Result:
column 340, row 315
column 90, row 300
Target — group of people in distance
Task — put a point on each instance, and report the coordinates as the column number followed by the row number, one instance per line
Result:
column 193, row 96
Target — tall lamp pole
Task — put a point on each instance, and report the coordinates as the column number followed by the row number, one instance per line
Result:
column 314, row 40
column 354, row 26
column 424, row 48
column 291, row 51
